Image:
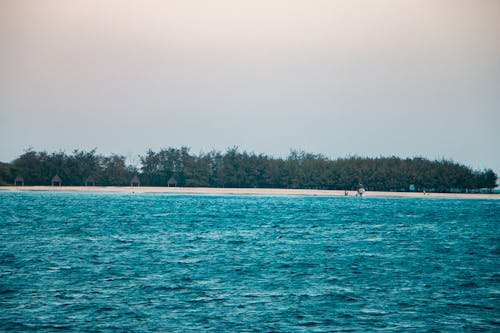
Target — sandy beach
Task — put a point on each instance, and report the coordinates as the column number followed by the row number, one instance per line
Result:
column 247, row 191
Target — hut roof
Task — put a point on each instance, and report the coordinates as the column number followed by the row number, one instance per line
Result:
column 135, row 179
column 90, row 179
column 56, row 178
column 19, row 178
column 172, row 180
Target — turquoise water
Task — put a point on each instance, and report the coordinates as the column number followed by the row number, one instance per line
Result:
column 157, row 262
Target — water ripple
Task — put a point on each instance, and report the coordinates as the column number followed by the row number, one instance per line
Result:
column 157, row 262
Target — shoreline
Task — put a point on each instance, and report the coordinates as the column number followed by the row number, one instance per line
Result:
column 247, row 191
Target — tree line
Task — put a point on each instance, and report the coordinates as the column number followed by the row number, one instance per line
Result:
column 235, row 168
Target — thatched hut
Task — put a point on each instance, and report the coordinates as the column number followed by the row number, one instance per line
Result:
column 172, row 182
column 135, row 181
column 56, row 181
column 19, row 181
column 90, row 181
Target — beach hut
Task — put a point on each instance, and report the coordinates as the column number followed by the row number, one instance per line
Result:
column 172, row 182
column 19, row 181
column 135, row 181
column 56, row 181
column 90, row 181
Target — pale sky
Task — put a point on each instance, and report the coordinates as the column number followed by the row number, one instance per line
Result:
column 363, row 77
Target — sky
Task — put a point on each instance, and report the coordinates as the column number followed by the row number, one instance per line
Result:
column 336, row 77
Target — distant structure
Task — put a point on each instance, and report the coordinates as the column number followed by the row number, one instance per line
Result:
column 19, row 181
column 172, row 182
column 90, row 181
column 135, row 181
column 361, row 190
column 56, row 181
column 411, row 188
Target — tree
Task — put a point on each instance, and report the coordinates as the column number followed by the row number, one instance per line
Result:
column 7, row 174
column 234, row 168
column 114, row 171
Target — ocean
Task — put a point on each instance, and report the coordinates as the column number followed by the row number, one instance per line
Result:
column 132, row 262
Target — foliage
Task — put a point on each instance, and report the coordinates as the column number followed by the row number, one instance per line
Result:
column 6, row 174
column 234, row 168
column 38, row 168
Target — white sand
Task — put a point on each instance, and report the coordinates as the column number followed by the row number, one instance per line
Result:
column 244, row 191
